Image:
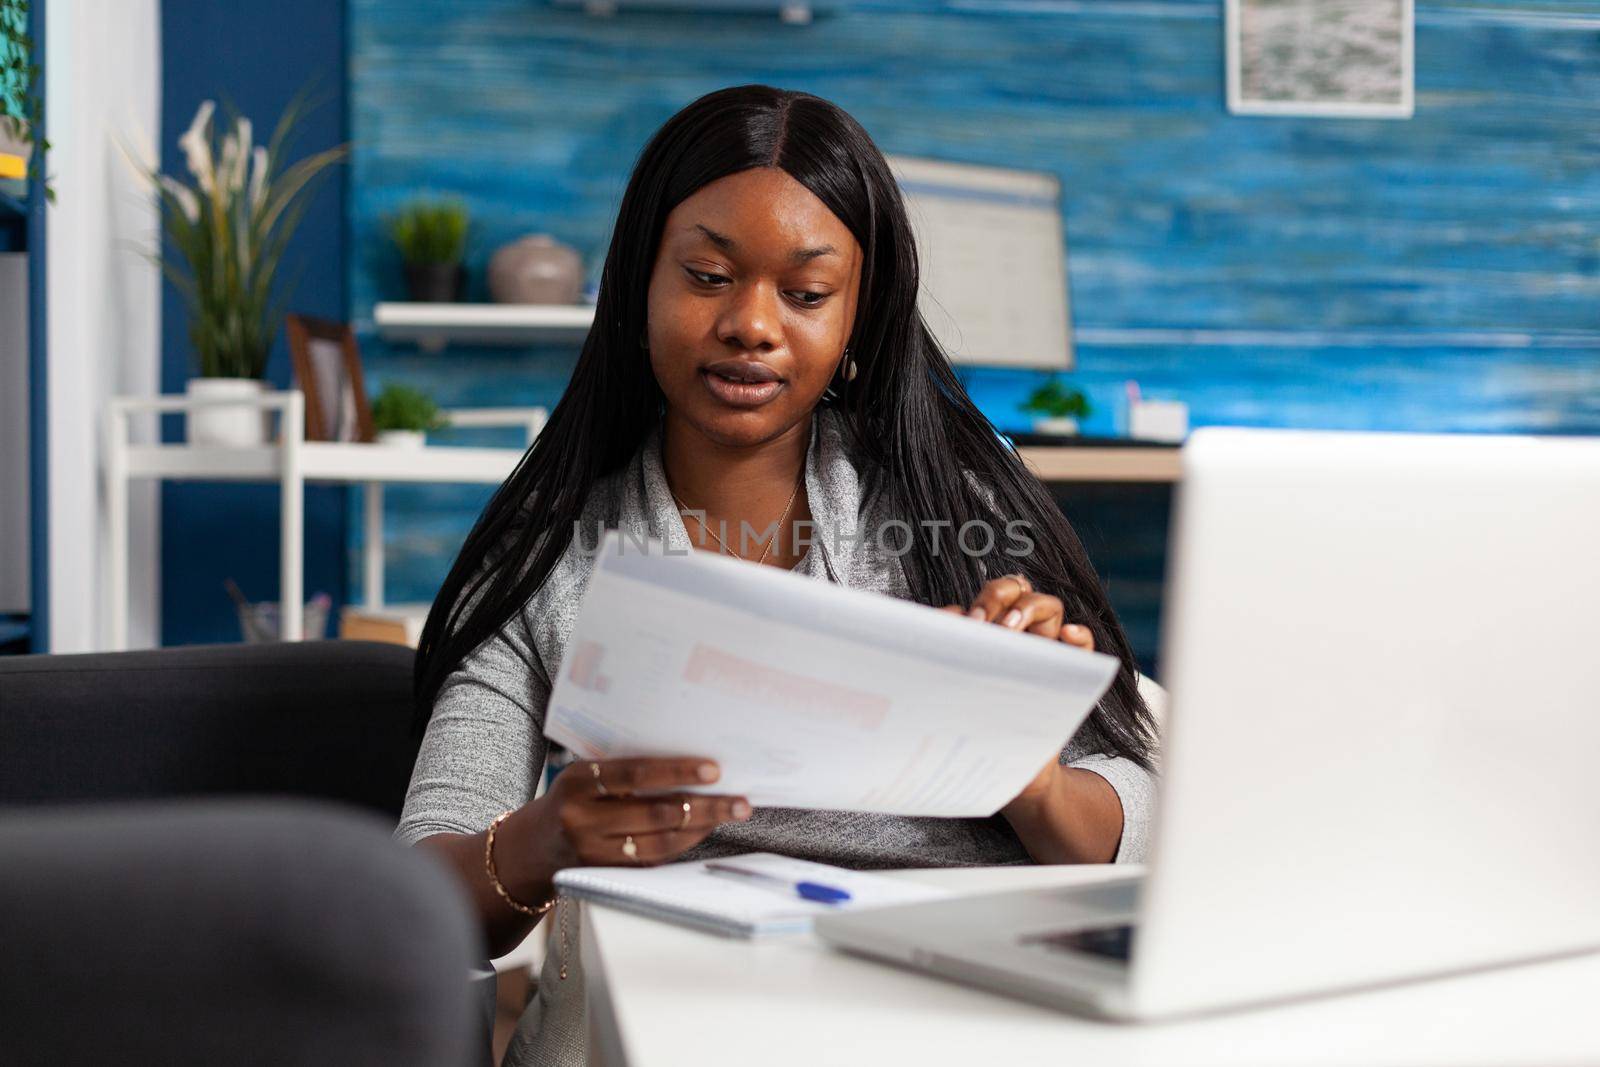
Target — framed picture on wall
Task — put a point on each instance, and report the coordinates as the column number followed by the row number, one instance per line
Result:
column 1331, row 58
column 327, row 368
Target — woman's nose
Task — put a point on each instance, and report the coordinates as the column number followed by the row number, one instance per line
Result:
column 751, row 317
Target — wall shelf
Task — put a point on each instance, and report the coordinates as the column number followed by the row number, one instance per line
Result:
column 435, row 325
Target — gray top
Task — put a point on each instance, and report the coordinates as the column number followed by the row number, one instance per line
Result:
column 484, row 749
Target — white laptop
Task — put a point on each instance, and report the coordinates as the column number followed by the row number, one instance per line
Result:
column 1383, row 754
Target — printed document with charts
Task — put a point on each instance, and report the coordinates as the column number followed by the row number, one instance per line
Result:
column 808, row 694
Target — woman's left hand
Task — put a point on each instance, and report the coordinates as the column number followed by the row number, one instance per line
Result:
column 1010, row 601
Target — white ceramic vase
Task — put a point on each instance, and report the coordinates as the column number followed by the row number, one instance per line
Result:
column 403, row 438
column 227, row 425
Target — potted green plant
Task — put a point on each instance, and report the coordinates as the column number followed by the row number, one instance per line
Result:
column 21, row 102
column 403, row 416
column 229, row 226
column 431, row 235
column 1058, row 407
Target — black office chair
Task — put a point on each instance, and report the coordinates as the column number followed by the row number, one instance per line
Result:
column 229, row 932
column 196, row 867
column 323, row 719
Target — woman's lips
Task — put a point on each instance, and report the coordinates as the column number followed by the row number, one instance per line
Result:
column 741, row 383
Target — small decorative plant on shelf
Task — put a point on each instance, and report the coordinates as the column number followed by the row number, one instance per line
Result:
column 1058, row 407
column 226, row 232
column 403, row 415
column 431, row 235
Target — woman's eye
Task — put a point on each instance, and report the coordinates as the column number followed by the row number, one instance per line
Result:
column 803, row 297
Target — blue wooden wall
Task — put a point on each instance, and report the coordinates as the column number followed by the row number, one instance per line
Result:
column 1440, row 273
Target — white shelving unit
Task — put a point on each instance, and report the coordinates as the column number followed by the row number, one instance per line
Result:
column 291, row 462
column 434, row 325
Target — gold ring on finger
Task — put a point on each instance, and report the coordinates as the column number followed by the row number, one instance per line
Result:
column 599, row 786
column 684, row 825
column 1022, row 582
column 629, row 849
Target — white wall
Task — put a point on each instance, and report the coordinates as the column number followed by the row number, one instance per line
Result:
column 103, row 91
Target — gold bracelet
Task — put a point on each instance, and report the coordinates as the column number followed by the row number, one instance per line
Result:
column 494, row 877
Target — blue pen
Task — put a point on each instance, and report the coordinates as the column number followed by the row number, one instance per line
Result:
column 822, row 894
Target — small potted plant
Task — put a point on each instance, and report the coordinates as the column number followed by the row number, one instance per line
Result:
column 1058, row 407
column 21, row 105
column 431, row 236
column 402, row 416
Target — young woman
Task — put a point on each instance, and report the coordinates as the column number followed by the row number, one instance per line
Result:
column 757, row 364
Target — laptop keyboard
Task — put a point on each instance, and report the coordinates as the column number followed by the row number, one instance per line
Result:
column 1108, row 942
column 1113, row 900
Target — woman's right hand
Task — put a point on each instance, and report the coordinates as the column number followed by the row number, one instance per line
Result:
column 594, row 808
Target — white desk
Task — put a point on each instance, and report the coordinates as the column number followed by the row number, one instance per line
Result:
column 291, row 462
column 661, row 994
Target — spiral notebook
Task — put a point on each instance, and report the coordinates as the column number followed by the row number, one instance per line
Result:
column 693, row 894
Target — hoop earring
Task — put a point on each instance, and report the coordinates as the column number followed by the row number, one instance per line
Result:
column 846, row 372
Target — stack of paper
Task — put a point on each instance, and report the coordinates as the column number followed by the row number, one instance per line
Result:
column 810, row 695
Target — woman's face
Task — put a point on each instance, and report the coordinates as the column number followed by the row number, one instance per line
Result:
column 752, row 299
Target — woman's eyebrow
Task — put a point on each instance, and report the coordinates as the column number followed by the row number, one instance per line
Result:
column 799, row 255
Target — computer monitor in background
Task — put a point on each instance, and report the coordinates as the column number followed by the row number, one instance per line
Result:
column 994, row 262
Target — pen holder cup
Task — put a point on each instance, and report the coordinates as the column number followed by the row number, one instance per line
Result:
column 1158, row 420
column 263, row 622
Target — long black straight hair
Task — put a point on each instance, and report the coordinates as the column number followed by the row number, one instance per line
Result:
column 912, row 429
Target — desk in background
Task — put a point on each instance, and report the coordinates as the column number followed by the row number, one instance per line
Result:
column 1098, row 459
column 1117, row 493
